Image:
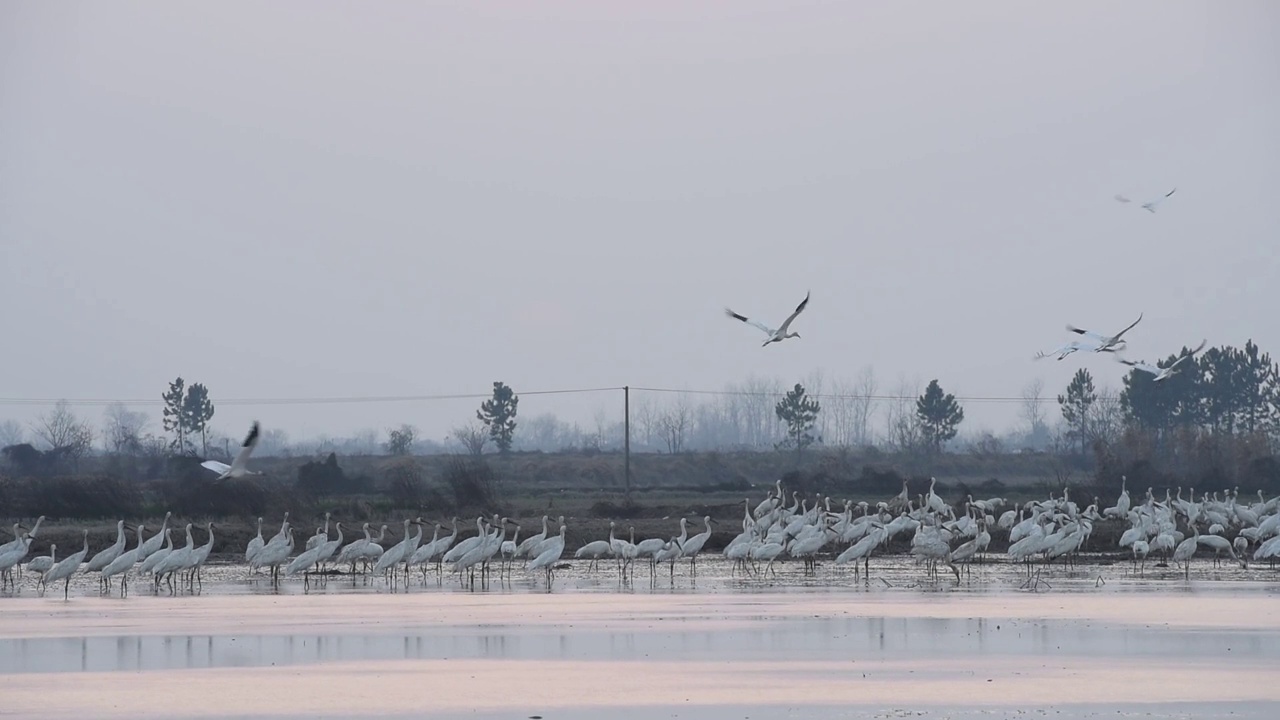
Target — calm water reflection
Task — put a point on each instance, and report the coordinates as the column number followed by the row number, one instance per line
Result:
column 839, row 639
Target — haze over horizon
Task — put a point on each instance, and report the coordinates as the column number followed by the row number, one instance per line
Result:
column 302, row 200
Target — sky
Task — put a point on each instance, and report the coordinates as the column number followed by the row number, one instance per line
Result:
column 331, row 199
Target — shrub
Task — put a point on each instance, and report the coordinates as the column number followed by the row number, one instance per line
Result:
column 471, row 481
column 328, row 478
column 71, row 497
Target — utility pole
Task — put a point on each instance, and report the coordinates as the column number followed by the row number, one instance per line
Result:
column 626, row 434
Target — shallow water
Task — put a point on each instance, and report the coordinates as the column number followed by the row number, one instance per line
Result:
column 715, row 575
column 796, row 646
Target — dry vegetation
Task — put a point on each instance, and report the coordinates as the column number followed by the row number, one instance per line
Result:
column 587, row 488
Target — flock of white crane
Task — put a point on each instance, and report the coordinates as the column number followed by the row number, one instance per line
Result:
column 1039, row 531
column 1089, row 341
column 1042, row 531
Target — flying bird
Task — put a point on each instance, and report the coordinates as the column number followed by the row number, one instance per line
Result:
column 1151, row 206
column 1148, row 206
column 238, row 467
column 1162, row 373
column 1104, row 343
column 774, row 335
column 1071, row 347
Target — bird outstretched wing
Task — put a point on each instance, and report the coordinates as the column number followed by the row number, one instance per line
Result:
column 1151, row 206
column 1188, row 356
column 799, row 309
column 1061, row 352
column 754, row 323
column 1139, row 365
column 214, row 465
column 1087, row 333
column 1122, row 332
column 246, row 449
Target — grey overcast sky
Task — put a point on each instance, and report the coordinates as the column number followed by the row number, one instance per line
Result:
column 306, row 199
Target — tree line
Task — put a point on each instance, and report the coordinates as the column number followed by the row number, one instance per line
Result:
column 1225, row 392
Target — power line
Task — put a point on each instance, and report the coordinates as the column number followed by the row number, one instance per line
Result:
column 365, row 399
column 836, row 396
column 375, row 399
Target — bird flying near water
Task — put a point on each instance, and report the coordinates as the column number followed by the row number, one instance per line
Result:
column 781, row 333
column 239, row 466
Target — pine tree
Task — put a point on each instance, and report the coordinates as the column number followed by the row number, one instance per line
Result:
column 940, row 415
column 1172, row 402
column 175, row 415
column 1075, row 406
column 499, row 414
column 800, row 413
column 197, row 412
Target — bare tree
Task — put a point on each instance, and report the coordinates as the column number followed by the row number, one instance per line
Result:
column 902, row 431
column 675, row 422
column 472, row 437
column 719, row 423
column 863, row 405
column 11, row 433
column 760, row 427
column 608, row 432
column 273, row 443
column 905, row 434
column 153, row 447
column 814, row 388
column 64, row 433
column 1033, row 416
column 1106, row 421
column 541, row 432
column 838, row 413
column 644, row 423
column 363, row 442
column 986, row 445
column 122, row 429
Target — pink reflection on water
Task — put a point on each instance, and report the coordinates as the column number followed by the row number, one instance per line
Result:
column 803, row 671
column 401, row 687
